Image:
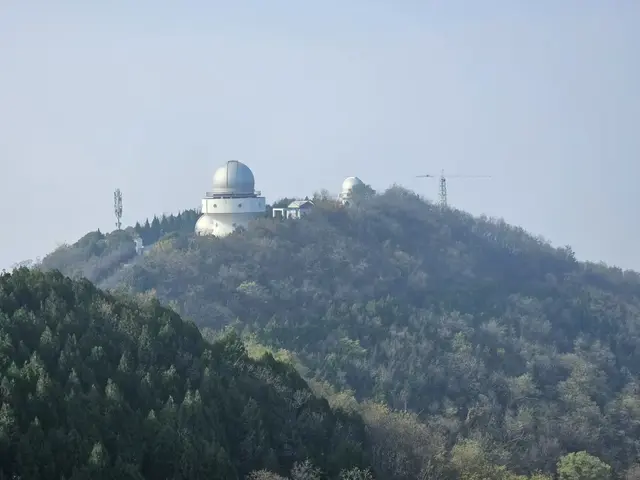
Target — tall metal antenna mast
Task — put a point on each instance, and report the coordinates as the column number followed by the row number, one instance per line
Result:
column 443, row 183
column 117, row 207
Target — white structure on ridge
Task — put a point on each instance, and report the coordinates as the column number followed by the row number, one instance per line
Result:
column 139, row 245
column 347, row 188
column 232, row 203
column 295, row 209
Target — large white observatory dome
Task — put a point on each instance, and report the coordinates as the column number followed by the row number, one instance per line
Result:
column 232, row 203
column 233, row 178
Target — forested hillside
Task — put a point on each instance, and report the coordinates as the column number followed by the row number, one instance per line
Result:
column 97, row 255
column 97, row 387
column 501, row 349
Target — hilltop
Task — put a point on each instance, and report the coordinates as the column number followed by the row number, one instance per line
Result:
column 498, row 343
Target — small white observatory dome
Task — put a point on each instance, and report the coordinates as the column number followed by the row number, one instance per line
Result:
column 347, row 187
column 232, row 203
column 234, row 178
column 350, row 182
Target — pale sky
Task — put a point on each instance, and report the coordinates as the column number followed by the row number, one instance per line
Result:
column 152, row 96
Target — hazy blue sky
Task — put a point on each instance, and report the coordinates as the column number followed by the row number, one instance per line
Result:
column 151, row 96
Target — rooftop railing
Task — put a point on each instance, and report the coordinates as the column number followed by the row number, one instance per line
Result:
column 256, row 193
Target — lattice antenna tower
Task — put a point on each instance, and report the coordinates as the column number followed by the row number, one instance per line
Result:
column 443, row 184
column 117, row 207
column 443, row 190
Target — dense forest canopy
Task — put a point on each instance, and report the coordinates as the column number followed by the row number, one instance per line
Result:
column 97, row 387
column 501, row 346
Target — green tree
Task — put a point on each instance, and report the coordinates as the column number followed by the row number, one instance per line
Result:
column 356, row 474
column 265, row 475
column 305, row 471
column 582, row 466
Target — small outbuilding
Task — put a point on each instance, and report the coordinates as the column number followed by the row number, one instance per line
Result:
column 295, row 209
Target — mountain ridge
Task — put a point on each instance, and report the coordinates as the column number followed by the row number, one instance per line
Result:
column 490, row 334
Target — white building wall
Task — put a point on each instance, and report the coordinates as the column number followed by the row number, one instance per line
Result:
column 221, row 216
column 233, row 205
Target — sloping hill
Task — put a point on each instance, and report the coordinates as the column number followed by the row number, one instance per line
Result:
column 96, row 256
column 97, row 387
column 488, row 333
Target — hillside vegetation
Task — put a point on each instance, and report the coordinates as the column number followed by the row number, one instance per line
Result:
column 97, row 387
column 97, row 255
column 498, row 348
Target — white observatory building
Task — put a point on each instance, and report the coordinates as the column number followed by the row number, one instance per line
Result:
column 232, row 203
column 347, row 189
